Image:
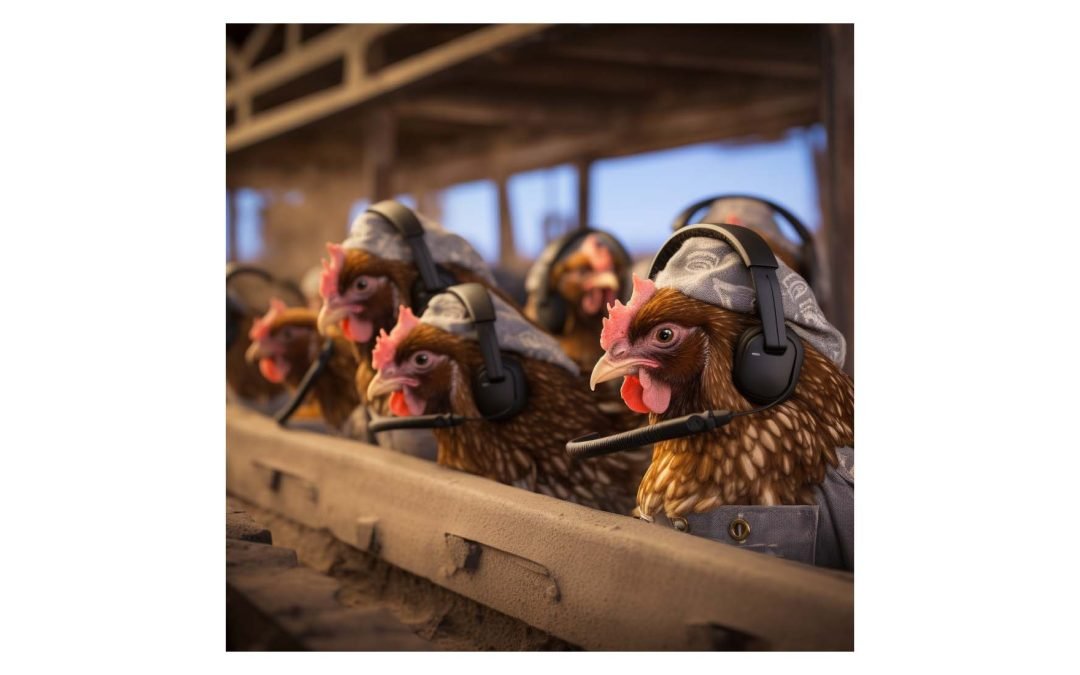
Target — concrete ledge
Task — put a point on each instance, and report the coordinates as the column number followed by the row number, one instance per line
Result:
column 595, row 579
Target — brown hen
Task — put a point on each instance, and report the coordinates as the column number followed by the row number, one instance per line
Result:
column 429, row 371
column 587, row 280
column 285, row 343
column 361, row 295
column 675, row 355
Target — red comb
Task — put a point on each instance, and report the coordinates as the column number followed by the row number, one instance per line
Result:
column 598, row 254
column 386, row 345
column 328, row 282
column 617, row 323
column 261, row 328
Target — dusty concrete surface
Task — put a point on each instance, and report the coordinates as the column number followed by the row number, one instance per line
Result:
column 441, row 618
column 274, row 603
column 239, row 525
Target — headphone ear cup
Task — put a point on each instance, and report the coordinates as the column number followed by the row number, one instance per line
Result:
column 501, row 400
column 551, row 313
column 762, row 377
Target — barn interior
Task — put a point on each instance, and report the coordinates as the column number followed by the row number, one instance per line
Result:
column 323, row 117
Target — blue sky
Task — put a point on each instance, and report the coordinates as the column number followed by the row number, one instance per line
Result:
column 635, row 197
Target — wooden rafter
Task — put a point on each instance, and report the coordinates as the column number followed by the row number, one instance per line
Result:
column 766, row 67
column 472, row 110
column 620, row 135
column 255, row 43
column 359, row 85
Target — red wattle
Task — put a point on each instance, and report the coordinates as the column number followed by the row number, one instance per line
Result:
column 357, row 330
column 398, row 405
column 632, row 393
column 269, row 369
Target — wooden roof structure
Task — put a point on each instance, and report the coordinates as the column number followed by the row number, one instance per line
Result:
column 392, row 109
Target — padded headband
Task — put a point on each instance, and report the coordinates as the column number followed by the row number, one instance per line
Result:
column 405, row 221
column 683, row 219
column 758, row 258
column 477, row 302
column 809, row 252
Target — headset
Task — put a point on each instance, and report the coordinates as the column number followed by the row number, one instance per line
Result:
column 236, row 309
column 550, row 306
column 767, row 360
column 806, row 239
column 499, row 388
column 433, row 279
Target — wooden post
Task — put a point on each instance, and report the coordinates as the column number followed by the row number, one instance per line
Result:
column 507, row 247
column 380, row 148
column 230, row 223
column 584, row 189
column 839, row 230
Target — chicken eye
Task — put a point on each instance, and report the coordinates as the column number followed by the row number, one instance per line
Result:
column 421, row 359
column 361, row 284
column 665, row 335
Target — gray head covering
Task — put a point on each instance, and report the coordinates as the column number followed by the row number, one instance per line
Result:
column 514, row 332
column 710, row 270
column 374, row 234
column 753, row 214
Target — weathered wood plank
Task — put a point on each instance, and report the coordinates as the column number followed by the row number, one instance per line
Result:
column 596, row 579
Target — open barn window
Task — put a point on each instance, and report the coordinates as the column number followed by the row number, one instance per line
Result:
column 544, row 207
column 244, row 224
column 637, row 197
column 471, row 210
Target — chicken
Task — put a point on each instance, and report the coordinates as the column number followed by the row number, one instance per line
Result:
column 675, row 355
column 285, row 343
column 587, row 280
column 243, row 380
column 361, row 294
column 428, row 370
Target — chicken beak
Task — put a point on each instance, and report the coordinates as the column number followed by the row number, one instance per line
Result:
column 330, row 315
column 253, row 353
column 608, row 368
column 381, row 386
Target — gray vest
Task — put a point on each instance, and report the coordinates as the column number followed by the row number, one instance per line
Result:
column 821, row 534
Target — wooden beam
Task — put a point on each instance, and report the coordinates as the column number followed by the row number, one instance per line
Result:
column 839, row 230
column 394, row 77
column 703, row 60
column 230, row 224
column 233, row 60
column 255, row 42
column 379, row 152
column 513, row 152
column 584, row 189
column 481, row 111
column 507, row 248
column 292, row 37
column 320, row 50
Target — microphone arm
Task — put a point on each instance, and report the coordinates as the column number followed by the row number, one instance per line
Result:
column 314, row 371
column 417, row 422
column 592, row 445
